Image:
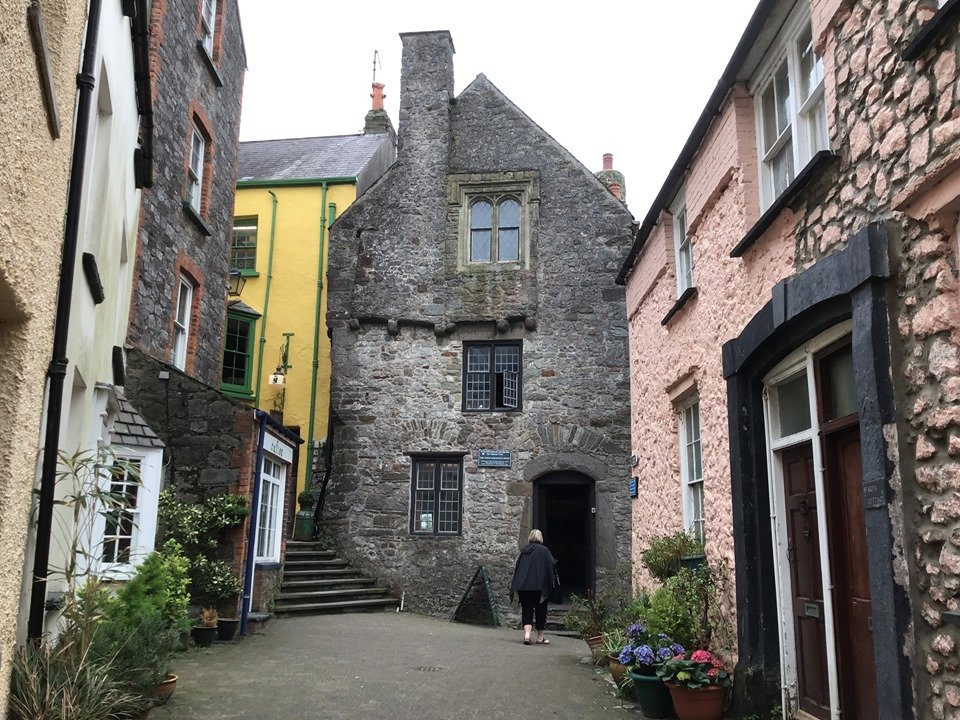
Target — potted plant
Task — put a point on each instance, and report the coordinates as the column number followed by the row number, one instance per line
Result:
column 612, row 644
column 698, row 685
column 204, row 632
column 590, row 617
column 668, row 553
column 164, row 690
column 644, row 655
column 227, row 628
column 303, row 524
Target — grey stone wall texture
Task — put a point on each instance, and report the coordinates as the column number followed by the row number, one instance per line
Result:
column 401, row 308
column 182, row 83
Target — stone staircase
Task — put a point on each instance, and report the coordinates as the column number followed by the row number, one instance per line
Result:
column 317, row 581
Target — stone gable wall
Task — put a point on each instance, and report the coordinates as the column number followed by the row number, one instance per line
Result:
column 400, row 311
column 183, row 85
column 895, row 128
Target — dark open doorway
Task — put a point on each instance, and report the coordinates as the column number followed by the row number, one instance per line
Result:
column 563, row 511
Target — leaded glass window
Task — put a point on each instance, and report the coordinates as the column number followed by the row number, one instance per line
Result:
column 495, row 229
column 437, row 484
column 492, row 378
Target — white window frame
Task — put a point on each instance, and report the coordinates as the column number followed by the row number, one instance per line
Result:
column 682, row 244
column 800, row 360
column 208, row 24
column 272, row 492
column 143, row 540
column 690, row 484
column 181, row 324
column 198, row 148
column 802, row 128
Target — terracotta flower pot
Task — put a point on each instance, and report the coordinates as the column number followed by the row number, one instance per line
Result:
column 698, row 703
column 617, row 670
column 594, row 643
column 164, row 690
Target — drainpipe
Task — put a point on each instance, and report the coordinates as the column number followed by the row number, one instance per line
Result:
column 266, row 300
column 252, row 530
column 57, row 370
column 316, row 334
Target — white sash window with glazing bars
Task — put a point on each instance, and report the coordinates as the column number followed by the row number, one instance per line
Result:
column 691, row 471
column 208, row 24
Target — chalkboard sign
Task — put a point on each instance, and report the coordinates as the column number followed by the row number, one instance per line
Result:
column 495, row 458
column 477, row 607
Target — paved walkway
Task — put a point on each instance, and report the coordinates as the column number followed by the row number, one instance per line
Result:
column 390, row 666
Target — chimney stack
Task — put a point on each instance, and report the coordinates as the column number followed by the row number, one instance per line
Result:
column 613, row 179
column 377, row 122
column 426, row 89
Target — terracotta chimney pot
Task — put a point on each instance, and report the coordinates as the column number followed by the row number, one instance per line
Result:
column 608, row 161
column 615, row 189
column 377, row 96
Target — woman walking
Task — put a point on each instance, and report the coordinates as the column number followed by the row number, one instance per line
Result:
column 533, row 579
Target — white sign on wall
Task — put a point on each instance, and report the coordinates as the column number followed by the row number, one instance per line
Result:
column 278, row 447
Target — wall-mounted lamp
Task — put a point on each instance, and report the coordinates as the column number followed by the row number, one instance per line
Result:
column 235, row 282
column 278, row 378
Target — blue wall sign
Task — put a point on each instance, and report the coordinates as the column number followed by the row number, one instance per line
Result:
column 495, row 458
column 633, row 487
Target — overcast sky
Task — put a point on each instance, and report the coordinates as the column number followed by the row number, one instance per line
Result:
column 624, row 77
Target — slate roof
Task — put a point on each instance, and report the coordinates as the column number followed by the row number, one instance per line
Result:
column 307, row 158
column 131, row 429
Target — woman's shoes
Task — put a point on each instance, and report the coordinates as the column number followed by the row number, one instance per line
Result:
column 543, row 641
column 526, row 641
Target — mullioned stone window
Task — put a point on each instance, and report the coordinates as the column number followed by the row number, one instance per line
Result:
column 494, row 218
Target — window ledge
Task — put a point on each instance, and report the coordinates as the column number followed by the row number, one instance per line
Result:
column 197, row 220
column 211, row 66
column 811, row 170
column 249, row 273
column 237, row 394
column 931, row 30
column 678, row 305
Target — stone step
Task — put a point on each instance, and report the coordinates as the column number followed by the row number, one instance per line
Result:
column 372, row 604
column 328, row 582
column 300, row 564
column 338, row 594
column 320, row 573
column 297, row 553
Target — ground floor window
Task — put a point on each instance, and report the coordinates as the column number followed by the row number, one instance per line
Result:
column 436, row 489
column 273, row 481
column 691, row 471
column 122, row 518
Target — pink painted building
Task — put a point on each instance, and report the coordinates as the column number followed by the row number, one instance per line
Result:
column 792, row 297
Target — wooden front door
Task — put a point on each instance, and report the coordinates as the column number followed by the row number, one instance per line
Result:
column 843, row 479
column 803, row 551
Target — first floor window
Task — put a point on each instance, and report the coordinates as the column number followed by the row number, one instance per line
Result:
column 237, row 374
column 198, row 147
column 181, row 322
column 495, row 229
column 492, row 376
column 243, row 249
column 272, row 483
column 691, row 471
column 682, row 246
column 437, row 486
column 121, row 517
column 792, row 116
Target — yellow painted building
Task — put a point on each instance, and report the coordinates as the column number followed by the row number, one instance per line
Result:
column 288, row 194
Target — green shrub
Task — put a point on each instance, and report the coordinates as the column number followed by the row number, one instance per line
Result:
column 687, row 607
column 662, row 558
column 212, row 581
column 139, row 650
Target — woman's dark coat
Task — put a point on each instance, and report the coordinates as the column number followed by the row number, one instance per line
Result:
column 534, row 570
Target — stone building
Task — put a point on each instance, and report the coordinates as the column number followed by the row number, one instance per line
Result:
column 479, row 350
column 795, row 377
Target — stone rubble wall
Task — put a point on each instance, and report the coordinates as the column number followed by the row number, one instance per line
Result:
column 896, row 129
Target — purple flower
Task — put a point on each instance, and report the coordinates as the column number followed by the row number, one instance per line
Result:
column 663, row 637
column 626, row 656
column 677, row 649
column 644, row 655
column 636, row 629
column 664, row 653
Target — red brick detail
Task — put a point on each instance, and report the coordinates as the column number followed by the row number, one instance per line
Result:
column 200, row 119
column 185, row 267
column 158, row 11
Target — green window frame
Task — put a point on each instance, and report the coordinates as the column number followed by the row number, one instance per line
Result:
column 243, row 246
column 237, row 371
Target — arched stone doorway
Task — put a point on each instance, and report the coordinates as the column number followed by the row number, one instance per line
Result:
column 564, row 511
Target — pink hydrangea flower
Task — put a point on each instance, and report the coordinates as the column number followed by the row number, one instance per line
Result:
column 701, row 656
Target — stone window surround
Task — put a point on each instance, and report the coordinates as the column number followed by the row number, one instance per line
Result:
column 849, row 284
column 451, row 457
column 803, row 147
column 462, row 188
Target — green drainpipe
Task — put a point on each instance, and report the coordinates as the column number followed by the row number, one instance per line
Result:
column 266, row 301
column 316, row 335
